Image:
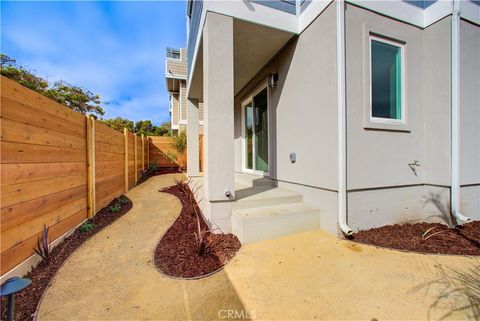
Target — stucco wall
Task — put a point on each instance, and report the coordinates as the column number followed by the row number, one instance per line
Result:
column 303, row 116
column 470, row 119
column 378, row 158
column 382, row 187
column 437, row 102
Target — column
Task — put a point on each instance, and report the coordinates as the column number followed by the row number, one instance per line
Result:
column 218, row 120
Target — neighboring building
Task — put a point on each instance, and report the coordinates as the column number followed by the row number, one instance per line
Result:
column 334, row 115
column 176, row 78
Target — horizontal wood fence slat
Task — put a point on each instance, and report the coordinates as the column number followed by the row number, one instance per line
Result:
column 160, row 146
column 58, row 167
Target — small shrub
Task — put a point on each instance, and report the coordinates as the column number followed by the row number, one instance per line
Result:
column 123, row 200
column 115, row 208
column 87, row 227
column 43, row 249
column 152, row 169
column 179, row 144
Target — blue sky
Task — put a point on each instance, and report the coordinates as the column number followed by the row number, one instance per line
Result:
column 115, row 49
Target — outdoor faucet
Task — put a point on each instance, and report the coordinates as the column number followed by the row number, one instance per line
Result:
column 228, row 194
column 412, row 166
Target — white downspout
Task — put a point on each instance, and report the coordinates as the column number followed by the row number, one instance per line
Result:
column 455, row 51
column 341, row 121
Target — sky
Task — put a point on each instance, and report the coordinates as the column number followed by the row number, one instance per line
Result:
column 114, row 49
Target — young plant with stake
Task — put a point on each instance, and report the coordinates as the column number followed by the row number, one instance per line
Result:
column 43, row 248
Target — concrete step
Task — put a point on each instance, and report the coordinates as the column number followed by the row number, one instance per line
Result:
column 253, row 180
column 252, row 197
column 264, row 223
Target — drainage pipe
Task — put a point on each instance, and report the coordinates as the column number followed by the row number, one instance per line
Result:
column 341, row 121
column 455, row 91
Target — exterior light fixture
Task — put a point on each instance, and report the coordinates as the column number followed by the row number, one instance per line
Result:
column 9, row 288
column 272, row 80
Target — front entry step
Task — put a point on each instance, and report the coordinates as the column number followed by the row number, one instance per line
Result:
column 264, row 196
column 264, row 223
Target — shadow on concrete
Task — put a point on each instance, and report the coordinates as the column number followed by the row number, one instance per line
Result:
column 214, row 298
column 458, row 292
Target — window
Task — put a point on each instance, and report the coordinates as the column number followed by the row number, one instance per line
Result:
column 387, row 96
column 173, row 53
column 255, row 132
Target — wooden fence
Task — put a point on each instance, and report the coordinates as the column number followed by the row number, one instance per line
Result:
column 58, row 168
column 160, row 146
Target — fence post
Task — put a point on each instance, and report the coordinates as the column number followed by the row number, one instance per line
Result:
column 135, row 153
column 125, row 134
column 94, row 175
column 148, row 152
column 143, row 152
column 89, row 168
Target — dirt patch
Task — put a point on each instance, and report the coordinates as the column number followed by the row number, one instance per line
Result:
column 180, row 254
column 425, row 238
column 26, row 301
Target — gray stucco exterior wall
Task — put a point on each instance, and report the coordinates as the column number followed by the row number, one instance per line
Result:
column 382, row 187
column 470, row 119
column 303, row 116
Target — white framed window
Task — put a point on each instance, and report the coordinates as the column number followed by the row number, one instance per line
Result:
column 387, row 80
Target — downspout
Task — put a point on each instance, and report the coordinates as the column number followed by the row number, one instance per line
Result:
column 455, row 65
column 341, row 121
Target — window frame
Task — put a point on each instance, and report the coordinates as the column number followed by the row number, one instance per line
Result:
column 401, row 45
column 244, row 102
column 171, row 50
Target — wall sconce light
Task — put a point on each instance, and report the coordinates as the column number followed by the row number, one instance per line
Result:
column 272, row 80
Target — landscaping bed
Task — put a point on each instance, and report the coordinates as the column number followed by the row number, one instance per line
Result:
column 26, row 301
column 425, row 238
column 189, row 249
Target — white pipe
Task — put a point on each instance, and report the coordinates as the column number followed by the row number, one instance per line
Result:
column 341, row 121
column 455, row 65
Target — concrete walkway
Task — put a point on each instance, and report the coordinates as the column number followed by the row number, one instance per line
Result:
column 305, row 276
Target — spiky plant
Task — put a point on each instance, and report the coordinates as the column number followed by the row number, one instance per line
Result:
column 43, row 248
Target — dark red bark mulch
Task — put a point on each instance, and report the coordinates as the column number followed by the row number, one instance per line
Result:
column 440, row 239
column 177, row 253
column 157, row 171
column 26, row 301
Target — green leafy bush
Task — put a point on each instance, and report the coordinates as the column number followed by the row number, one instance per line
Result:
column 87, row 227
column 115, row 208
column 73, row 97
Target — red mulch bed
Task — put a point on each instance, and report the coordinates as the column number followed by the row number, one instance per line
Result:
column 177, row 253
column 462, row 240
column 26, row 301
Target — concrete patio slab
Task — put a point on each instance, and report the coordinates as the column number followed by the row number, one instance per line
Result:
column 311, row 275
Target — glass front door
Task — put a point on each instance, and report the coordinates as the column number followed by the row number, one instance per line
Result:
column 256, row 132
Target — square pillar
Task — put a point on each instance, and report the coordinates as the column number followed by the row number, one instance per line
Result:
column 218, row 119
column 193, row 162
